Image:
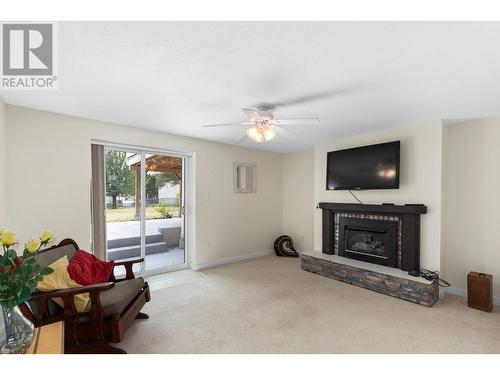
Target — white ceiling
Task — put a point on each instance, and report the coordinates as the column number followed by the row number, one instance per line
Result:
column 359, row 76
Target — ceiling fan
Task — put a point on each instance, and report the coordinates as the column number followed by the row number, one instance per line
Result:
column 262, row 126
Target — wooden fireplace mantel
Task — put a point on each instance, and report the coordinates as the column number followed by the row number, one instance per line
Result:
column 409, row 216
column 375, row 208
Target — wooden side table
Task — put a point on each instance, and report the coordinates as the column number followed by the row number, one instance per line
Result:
column 48, row 339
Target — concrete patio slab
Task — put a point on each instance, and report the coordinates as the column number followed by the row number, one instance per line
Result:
column 126, row 229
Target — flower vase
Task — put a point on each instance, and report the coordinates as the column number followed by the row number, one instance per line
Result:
column 16, row 332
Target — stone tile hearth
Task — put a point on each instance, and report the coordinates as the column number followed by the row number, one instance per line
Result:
column 390, row 281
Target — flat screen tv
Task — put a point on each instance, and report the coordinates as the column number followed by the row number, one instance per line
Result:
column 368, row 167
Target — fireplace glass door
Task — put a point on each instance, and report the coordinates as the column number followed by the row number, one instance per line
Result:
column 366, row 241
column 373, row 241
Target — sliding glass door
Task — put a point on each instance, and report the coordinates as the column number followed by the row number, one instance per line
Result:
column 145, row 200
column 123, row 205
column 164, row 220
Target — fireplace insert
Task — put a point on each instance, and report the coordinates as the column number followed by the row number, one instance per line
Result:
column 373, row 241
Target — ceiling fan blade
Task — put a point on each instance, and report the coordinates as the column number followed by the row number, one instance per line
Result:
column 285, row 133
column 234, row 124
column 241, row 139
column 297, row 121
column 323, row 95
column 252, row 114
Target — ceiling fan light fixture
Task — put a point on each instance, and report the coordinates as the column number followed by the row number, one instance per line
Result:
column 252, row 132
column 269, row 133
column 259, row 137
column 263, row 127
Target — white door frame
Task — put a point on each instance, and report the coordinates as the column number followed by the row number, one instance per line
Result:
column 188, row 184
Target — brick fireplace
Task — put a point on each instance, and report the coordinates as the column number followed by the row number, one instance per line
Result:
column 374, row 247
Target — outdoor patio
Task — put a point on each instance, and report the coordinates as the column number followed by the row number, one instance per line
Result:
column 162, row 242
column 126, row 229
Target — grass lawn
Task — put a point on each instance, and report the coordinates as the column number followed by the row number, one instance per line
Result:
column 127, row 214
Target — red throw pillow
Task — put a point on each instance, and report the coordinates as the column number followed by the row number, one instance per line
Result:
column 87, row 269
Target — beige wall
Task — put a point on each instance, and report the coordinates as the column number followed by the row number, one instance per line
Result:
column 451, row 169
column 49, row 172
column 471, row 201
column 420, row 181
column 298, row 198
column 3, row 156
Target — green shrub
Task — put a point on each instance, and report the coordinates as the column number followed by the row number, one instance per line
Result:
column 164, row 210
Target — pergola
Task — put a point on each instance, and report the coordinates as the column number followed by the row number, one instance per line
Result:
column 154, row 163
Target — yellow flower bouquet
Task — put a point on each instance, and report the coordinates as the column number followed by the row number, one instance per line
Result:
column 19, row 275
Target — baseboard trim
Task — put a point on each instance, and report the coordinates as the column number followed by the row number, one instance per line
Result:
column 239, row 258
column 463, row 293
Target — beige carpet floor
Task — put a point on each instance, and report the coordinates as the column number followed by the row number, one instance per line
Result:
column 269, row 305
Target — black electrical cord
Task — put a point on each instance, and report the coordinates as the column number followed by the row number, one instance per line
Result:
column 355, row 197
column 433, row 276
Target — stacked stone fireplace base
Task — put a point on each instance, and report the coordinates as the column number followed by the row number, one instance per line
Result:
column 390, row 281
